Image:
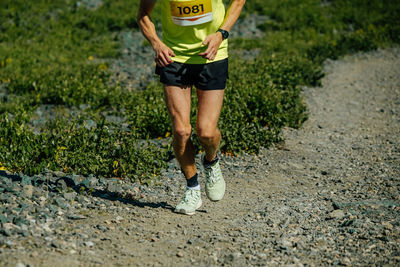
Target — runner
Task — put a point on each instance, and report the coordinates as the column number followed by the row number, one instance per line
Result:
column 193, row 52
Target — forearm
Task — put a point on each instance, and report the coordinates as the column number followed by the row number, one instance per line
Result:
column 234, row 9
column 163, row 53
column 146, row 25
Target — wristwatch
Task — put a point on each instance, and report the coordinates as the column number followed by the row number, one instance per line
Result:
column 225, row 34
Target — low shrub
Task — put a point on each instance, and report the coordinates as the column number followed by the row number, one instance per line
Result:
column 57, row 53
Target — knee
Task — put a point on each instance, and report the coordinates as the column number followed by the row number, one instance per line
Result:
column 183, row 132
column 205, row 135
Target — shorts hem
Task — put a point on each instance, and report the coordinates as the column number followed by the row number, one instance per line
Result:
column 209, row 89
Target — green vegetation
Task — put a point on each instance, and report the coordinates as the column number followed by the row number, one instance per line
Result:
column 56, row 54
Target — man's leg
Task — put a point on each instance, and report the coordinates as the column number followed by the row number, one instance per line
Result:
column 178, row 100
column 178, row 103
column 210, row 103
column 209, row 109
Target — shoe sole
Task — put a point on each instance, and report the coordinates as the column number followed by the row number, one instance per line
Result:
column 182, row 211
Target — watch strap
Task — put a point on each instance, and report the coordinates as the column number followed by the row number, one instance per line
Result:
column 225, row 34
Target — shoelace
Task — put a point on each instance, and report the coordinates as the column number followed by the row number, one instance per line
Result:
column 191, row 198
column 210, row 175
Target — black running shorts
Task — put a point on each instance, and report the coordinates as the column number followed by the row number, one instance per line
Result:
column 210, row 76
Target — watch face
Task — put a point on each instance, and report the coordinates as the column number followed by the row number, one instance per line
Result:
column 224, row 33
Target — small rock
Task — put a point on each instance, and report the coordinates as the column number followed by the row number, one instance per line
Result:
column 337, row 205
column 6, row 232
column 179, row 254
column 9, row 243
column 75, row 217
column 28, row 190
column 112, row 187
column 55, row 244
column 3, row 219
column 336, row 214
column 59, row 201
column 93, row 181
column 8, row 226
column 20, row 264
column 59, row 173
column 76, row 179
column 387, row 225
column 89, row 124
column 62, row 185
column 83, row 236
column 346, row 261
column 262, row 255
column 286, row 243
column 53, row 208
column 347, row 223
column 42, row 200
column 234, row 256
column 86, row 183
column 69, row 196
column 89, row 244
column 102, row 228
column 26, row 180
column 80, row 199
column 249, row 257
column 18, row 220
column 11, row 189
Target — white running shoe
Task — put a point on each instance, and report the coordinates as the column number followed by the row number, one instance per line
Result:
column 215, row 183
column 190, row 202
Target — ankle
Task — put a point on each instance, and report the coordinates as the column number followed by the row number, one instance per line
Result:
column 192, row 182
column 208, row 162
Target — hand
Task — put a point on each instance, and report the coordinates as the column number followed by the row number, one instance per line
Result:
column 163, row 54
column 213, row 42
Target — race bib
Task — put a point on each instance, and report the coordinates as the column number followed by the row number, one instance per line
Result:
column 189, row 13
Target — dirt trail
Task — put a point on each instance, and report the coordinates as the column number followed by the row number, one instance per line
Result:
column 328, row 195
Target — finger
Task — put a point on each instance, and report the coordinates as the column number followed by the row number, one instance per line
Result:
column 168, row 56
column 208, row 51
column 163, row 60
column 171, row 53
column 159, row 62
column 213, row 56
column 203, row 54
column 206, row 41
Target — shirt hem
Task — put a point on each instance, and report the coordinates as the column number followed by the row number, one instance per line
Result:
column 197, row 59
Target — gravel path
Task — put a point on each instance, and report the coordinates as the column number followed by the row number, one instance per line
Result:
column 328, row 195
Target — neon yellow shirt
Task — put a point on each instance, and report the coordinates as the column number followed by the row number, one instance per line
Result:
column 187, row 23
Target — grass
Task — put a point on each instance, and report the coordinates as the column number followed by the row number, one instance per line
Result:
column 57, row 53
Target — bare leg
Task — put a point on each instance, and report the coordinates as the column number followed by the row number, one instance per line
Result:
column 178, row 104
column 210, row 103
